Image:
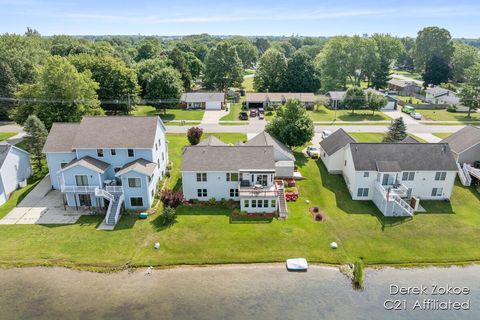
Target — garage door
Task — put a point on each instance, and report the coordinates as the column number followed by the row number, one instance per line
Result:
column 213, row 105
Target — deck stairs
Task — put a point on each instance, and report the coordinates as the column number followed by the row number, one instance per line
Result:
column 464, row 174
column 282, row 202
column 115, row 199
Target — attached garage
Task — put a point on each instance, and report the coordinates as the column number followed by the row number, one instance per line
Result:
column 203, row 100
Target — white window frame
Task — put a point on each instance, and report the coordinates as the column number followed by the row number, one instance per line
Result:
column 440, row 176
column 131, row 205
column 436, row 193
column 100, row 153
column 202, row 177
column 361, row 192
column 133, row 178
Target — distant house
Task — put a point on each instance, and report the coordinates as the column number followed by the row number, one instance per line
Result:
column 203, row 100
column 394, row 175
column 15, row 169
column 337, row 98
column 274, row 99
column 403, row 87
column 107, row 162
column 465, row 144
column 439, row 95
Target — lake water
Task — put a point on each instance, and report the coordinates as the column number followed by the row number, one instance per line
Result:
column 226, row 292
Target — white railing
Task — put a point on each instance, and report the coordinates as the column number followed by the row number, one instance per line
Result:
column 116, row 189
column 471, row 170
column 116, row 214
column 392, row 196
column 403, row 204
column 103, row 193
column 464, row 174
column 121, row 199
column 83, row 189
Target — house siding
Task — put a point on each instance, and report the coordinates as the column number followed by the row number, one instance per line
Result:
column 217, row 186
column 54, row 161
column 470, row 155
column 16, row 168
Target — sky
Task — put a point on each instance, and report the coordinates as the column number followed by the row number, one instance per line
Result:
column 246, row 17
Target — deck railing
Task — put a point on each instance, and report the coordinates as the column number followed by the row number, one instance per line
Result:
column 78, row 189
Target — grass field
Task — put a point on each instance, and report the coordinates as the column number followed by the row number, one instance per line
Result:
column 375, row 136
column 444, row 115
column 412, row 75
column 6, row 135
column 325, row 114
column 171, row 114
column 442, row 135
column 447, row 232
column 248, row 84
column 235, row 109
column 409, row 100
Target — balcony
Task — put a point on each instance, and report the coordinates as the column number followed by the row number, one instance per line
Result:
column 247, row 189
column 78, row 189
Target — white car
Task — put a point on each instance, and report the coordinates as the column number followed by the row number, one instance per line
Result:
column 416, row 115
column 326, row 133
column 313, row 152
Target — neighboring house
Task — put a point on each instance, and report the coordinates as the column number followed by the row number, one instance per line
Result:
column 465, row 144
column 396, row 176
column 391, row 100
column 274, row 99
column 107, row 162
column 246, row 172
column 403, row 87
column 15, row 169
column 337, row 98
column 439, row 95
column 203, row 100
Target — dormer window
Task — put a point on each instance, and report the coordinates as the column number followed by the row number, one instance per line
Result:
column 100, row 153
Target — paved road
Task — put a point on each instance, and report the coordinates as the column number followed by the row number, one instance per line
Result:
column 406, row 78
column 394, row 114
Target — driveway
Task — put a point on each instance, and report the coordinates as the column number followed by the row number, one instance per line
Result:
column 42, row 206
column 398, row 114
column 214, row 116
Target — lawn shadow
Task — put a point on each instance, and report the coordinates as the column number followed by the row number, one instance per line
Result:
column 127, row 221
column 300, row 158
column 159, row 224
column 246, row 219
column 203, row 210
column 361, row 117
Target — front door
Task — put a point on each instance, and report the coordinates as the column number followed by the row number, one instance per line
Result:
column 84, row 200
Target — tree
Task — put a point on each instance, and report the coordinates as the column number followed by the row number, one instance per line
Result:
column 270, row 72
column 169, row 215
column 331, row 64
column 179, row 62
column 262, row 45
column 164, row 84
column 301, row 75
column 62, row 45
column 8, row 86
column 146, row 68
column 194, row 134
column 35, row 138
column 464, row 57
column 354, row 98
column 396, row 132
column 432, row 41
column 59, row 94
column 375, row 101
column 223, row 67
column 470, row 93
column 291, row 124
column 148, row 48
column 388, row 49
column 195, row 65
column 246, row 51
column 405, row 58
column 437, row 70
column 284, row 46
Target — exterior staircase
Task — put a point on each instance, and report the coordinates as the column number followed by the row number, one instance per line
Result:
column 115, row 199
column 282, row 202
column 464, row 174
column 474, row 172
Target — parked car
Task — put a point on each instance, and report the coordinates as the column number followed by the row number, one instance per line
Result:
column 261, row 110
column 416, row 115
column 243, row 115
column 326, row 133
column 261, row 116
column 253, row 112
column 313, row 152
column 408, row 109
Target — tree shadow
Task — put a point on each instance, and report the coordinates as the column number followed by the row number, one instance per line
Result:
column 246, row 219
column 159, row 223
column 203, row 210
column 361, row 117
column 300, row 159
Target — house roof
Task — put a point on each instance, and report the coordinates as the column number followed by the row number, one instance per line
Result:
column 463, row 139
column 409, row 156
column 437, row 91
column 212, row 141
column 265, row 139
column 226, row 158
column 203, row 97
column 279, row 96
column 103, row 132
column 336, row 141
column 60, row 138
column 409, row 139
column 337, row 95
column 89, row 163
column 140, row 165
column 401, row 83
column 388, row 166
column 4, row 150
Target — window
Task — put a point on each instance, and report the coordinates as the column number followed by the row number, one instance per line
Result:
column 362, row 192
column 233, row 193
column 246, row 203
column 262, row 179
column 366, row 174
column 437, row 192
column 113, row 152
column 84, row 200
column 158, row 163
column 159, row 142
column 100, row 153
column 408, row 176
column 82, row 181
column 136, row 201
column 254, row 203
column 134, row 183
column 260, row 203
column 273, row 203
column 265, row 203
column 156, row 147
column 201, row 193
column 232, row 176
column 63, row 165
column 163, row 156
column 201, row 176
column 440, row 176
column 131, row 153
column 345, row 162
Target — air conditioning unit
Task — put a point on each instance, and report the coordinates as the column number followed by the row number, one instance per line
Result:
column 22, row 183
column 415, row 203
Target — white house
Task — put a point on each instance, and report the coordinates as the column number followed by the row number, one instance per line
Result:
column 396, row 176
column 15, row 169
column 244, row 173
column 465, row 144
column 203, row 100
column 337, row 98
column 439, row 95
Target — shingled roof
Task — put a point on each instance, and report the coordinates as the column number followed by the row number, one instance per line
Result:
column 265, row 139
column 463, row 139
column 140, row 165
column 203, row 97
column 60, row 138
column 212, row 141
column 336, row 141
column 89, row 163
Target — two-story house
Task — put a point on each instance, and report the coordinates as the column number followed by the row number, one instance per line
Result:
column 244, row 173
column 15, row 169
column 107, row 162
column 396, row 176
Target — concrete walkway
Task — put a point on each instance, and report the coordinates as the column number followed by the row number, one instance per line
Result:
column 428, row 137
column 398, row 114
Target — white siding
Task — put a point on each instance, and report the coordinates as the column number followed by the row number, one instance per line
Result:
column 15, row 169
column 213, row 105
column 217, row 186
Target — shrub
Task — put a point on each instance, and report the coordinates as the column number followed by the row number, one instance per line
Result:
column 194, row 134
column 171, row 198
column 451, row 109
column 169, row 215
column 358, row 273
column 212, row 202
column 269, row 108
column 316, row 210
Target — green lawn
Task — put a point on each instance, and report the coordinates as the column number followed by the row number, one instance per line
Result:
column 375, row 136
column 448, row 232
column 325, row 114
column 410, row 100
column 442, row 135
column 248, row 84
column 444, row 115
column 6, row 135
column 171, row 114
column 235, row 109
column 412, row 75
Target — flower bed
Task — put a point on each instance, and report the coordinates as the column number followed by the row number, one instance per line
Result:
column 318, row 214
column 291, row 194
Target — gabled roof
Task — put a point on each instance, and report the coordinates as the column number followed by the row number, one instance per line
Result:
column 203, row 97
column 463, row 139
column 336, row 141
column 388, row 166
column 279, row 96
column 337, row 95
column 89, row 163
column 265, row 139
column 103, row 132
column 408, row 156
column 140, row 165
column 227, row 158
column 212, row 141
column 4, row 150
column 402, row 83
column 437, row 91
column 409, row 139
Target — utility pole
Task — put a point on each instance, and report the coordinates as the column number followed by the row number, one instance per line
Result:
column 129, row 107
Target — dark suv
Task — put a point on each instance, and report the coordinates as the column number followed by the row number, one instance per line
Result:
column 243, row 115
